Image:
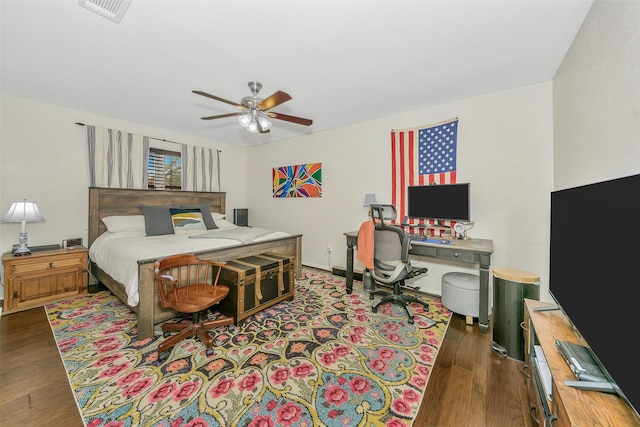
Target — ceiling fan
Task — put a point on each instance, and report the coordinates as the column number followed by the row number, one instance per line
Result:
column 254, row 110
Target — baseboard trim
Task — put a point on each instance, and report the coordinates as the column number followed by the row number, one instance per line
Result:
column 342, row 272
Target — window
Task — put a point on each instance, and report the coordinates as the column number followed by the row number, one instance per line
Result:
column 164, row 168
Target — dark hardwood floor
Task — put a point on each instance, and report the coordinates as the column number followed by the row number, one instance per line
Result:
column 469, row 385
column 34, row 389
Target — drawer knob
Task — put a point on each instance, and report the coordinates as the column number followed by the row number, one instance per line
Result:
column 51, row 266
column 456, row 254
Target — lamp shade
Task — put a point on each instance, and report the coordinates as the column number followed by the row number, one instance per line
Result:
column 253, row 127
column 264, row 123
column 369, row 199
column 244, row 119
column 23, row 211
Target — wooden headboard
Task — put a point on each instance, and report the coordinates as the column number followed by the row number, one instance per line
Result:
column 105, row 202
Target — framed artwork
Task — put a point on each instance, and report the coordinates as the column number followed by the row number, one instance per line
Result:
column 298, row 180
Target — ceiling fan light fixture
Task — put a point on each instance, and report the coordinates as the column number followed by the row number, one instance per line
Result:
column 253, row 127
column 244, row 119
column 264, row 123
column 255, row 115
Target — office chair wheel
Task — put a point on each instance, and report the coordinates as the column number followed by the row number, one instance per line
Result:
column 166, row 334
column 410, row 320
column 370, row 295
column 163, row 356
column 374, row 309
column 209, row 352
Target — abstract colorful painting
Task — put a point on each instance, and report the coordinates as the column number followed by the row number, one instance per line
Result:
column 298, row 180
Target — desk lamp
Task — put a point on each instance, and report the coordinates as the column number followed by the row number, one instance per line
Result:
column 23, row 212
column 369, row 199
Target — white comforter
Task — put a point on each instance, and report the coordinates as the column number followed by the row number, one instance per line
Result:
column 117, row 254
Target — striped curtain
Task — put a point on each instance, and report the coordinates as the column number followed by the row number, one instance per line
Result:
column 117, row 159
column 200, row 169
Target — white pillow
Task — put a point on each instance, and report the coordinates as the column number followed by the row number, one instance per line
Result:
column 216, row 216
column 117, row 224
column 223, row 224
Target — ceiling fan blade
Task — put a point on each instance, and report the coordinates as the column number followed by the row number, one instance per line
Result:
column 221, row 116
column 273, row 100
column 217, row 98
column 287, row 118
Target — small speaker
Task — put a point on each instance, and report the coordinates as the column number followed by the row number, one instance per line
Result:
column 241, row 217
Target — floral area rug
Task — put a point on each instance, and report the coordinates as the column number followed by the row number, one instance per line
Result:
column 322, row 359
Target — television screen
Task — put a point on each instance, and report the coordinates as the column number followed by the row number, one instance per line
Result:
column 441, row 202
column 593, row 271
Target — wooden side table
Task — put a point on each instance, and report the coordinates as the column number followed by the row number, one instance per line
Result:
column 42, row 277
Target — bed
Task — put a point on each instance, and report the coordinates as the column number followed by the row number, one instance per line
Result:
column 110, row 202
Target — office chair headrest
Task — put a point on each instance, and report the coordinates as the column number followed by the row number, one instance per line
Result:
column 383, row 212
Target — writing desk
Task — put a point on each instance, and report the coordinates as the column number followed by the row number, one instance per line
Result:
column 471, row 251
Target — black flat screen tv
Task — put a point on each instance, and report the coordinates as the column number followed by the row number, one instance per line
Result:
column 440, row 202
column 594, row 274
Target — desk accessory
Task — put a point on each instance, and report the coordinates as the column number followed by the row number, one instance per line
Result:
column 461, row 229
column 72, row 243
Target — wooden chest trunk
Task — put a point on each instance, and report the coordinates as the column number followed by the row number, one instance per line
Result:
column 256, row 282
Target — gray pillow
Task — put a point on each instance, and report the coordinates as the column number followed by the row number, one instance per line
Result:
column 157, row 220
column 206, row 214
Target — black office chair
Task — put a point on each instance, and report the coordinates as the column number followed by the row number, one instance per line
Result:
column 391, row 260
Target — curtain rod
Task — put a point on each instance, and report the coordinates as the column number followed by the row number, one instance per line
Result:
column 151, row 137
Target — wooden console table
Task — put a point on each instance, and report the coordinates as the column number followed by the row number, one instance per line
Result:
column 472, row 251
column 568, row 406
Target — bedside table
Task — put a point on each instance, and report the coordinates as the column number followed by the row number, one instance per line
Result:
column 42, row 277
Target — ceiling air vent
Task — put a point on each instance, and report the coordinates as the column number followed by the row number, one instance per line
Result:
column 113, row 10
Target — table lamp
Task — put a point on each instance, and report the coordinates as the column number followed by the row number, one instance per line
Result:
column 369, row 199
column 23, row 212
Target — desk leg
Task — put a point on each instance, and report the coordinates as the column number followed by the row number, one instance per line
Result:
column 349, row 272
column 483, row 319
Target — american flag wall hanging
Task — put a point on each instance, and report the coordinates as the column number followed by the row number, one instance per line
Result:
column 422, row 156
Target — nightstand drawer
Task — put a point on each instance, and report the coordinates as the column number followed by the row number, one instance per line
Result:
column 46, row 265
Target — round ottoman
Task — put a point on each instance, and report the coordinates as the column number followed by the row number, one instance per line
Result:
column 461, row 294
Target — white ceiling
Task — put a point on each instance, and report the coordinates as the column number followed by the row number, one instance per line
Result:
column 342, row 62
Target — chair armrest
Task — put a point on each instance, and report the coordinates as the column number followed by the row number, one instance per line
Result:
column 406, row 245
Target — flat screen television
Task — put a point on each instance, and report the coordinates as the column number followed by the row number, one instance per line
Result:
column 440, row 202
column 594, row 275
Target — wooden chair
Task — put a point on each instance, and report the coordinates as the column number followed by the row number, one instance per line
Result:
column 189, row 285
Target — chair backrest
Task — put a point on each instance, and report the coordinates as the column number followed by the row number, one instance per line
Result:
column 187, row 284
column 391, row 243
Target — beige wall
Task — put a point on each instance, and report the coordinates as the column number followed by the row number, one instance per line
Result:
column 505, row 146
column 596, row 98
column 43, row 157
column 504, row 151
